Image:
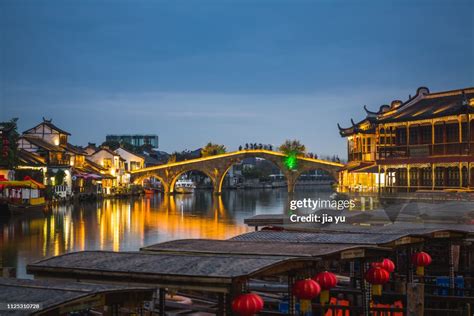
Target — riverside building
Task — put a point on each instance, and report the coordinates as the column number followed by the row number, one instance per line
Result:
column 424, row 143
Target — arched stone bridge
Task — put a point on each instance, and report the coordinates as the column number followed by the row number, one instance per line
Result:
column 216, row 167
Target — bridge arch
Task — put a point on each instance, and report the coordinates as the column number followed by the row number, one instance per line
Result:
column 175, row 177
column 140, row 179
column 274, row 160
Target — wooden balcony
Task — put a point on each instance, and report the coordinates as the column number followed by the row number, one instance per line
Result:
column 426, row 150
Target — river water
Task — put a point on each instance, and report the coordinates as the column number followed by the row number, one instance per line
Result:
column 127, row 225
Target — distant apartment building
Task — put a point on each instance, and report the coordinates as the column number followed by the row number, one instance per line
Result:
column 135, row 140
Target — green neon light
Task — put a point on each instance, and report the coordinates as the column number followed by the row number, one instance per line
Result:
column 290, row 161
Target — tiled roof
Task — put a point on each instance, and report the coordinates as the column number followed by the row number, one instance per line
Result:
column 94, row 165
column 50, row 125
column 357, row 127
column 75, row 149
column 130, row 152
column 27, row 158
column 106, row 150
column 50, row 295
column 424, row 105
column 41, row 143
column 432, row 105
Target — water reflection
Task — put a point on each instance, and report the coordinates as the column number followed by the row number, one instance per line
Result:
column 120, row 225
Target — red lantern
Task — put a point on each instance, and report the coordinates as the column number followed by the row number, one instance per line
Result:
column 247, row 304
column 421, row 260
column 327, row 281
column 306, row 290
column 386, row 263
column 377, row 276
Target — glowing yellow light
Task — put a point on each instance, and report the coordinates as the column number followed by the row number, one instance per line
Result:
column 232, row 154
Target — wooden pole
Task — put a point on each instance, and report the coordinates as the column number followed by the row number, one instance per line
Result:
column 291, row 298
column 162, row 301
column 408, row 177
column 365, row 289
column 352, row 275
column 409, row 266
column 221, row 305
column 228, row 304
column 451, row 268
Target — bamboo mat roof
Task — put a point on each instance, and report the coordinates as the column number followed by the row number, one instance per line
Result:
column 397, row 228
column 413, row 229
column 211, row 265
column 52, row 293
column 156, row 265
column 254, row 247
column 318, row 238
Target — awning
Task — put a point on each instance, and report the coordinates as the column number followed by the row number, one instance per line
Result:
column 362, row 167
column 367, row 169
column 27, row 183
column 87, row 176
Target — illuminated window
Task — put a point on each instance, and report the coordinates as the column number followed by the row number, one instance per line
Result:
column 452, row 133
column 107, row 162
column 439, row 132
column 63, row 140
column 401, row 136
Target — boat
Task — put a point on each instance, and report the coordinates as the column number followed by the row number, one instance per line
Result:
column 184, row 186
column 24, row 195
column 149, row 191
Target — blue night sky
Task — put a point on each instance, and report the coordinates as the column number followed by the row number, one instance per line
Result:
column 227, row 71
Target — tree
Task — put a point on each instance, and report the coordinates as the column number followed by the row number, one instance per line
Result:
column 212, row 149
column 9, row 143
column 293, row 147
column 59, row 177
column 172, row 158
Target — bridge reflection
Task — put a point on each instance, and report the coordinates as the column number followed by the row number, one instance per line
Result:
column 115, row 225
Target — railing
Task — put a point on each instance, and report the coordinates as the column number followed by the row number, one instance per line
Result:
column 59, row 162
column 355, row 157
column 440, row 149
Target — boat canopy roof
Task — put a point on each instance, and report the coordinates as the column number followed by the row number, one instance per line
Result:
column 32, row 184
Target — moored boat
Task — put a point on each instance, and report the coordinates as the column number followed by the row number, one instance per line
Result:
column 20, row 196
column 184, row 186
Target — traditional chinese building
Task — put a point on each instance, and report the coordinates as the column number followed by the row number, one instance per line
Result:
column 424, row 143
column 45, row 147
column 115, row 174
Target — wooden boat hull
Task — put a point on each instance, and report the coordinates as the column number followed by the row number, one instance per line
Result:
column 184, row 190
column 17, row 208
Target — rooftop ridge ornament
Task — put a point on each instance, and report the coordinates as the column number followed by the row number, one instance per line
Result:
column 464, row 99
column 369, row 111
